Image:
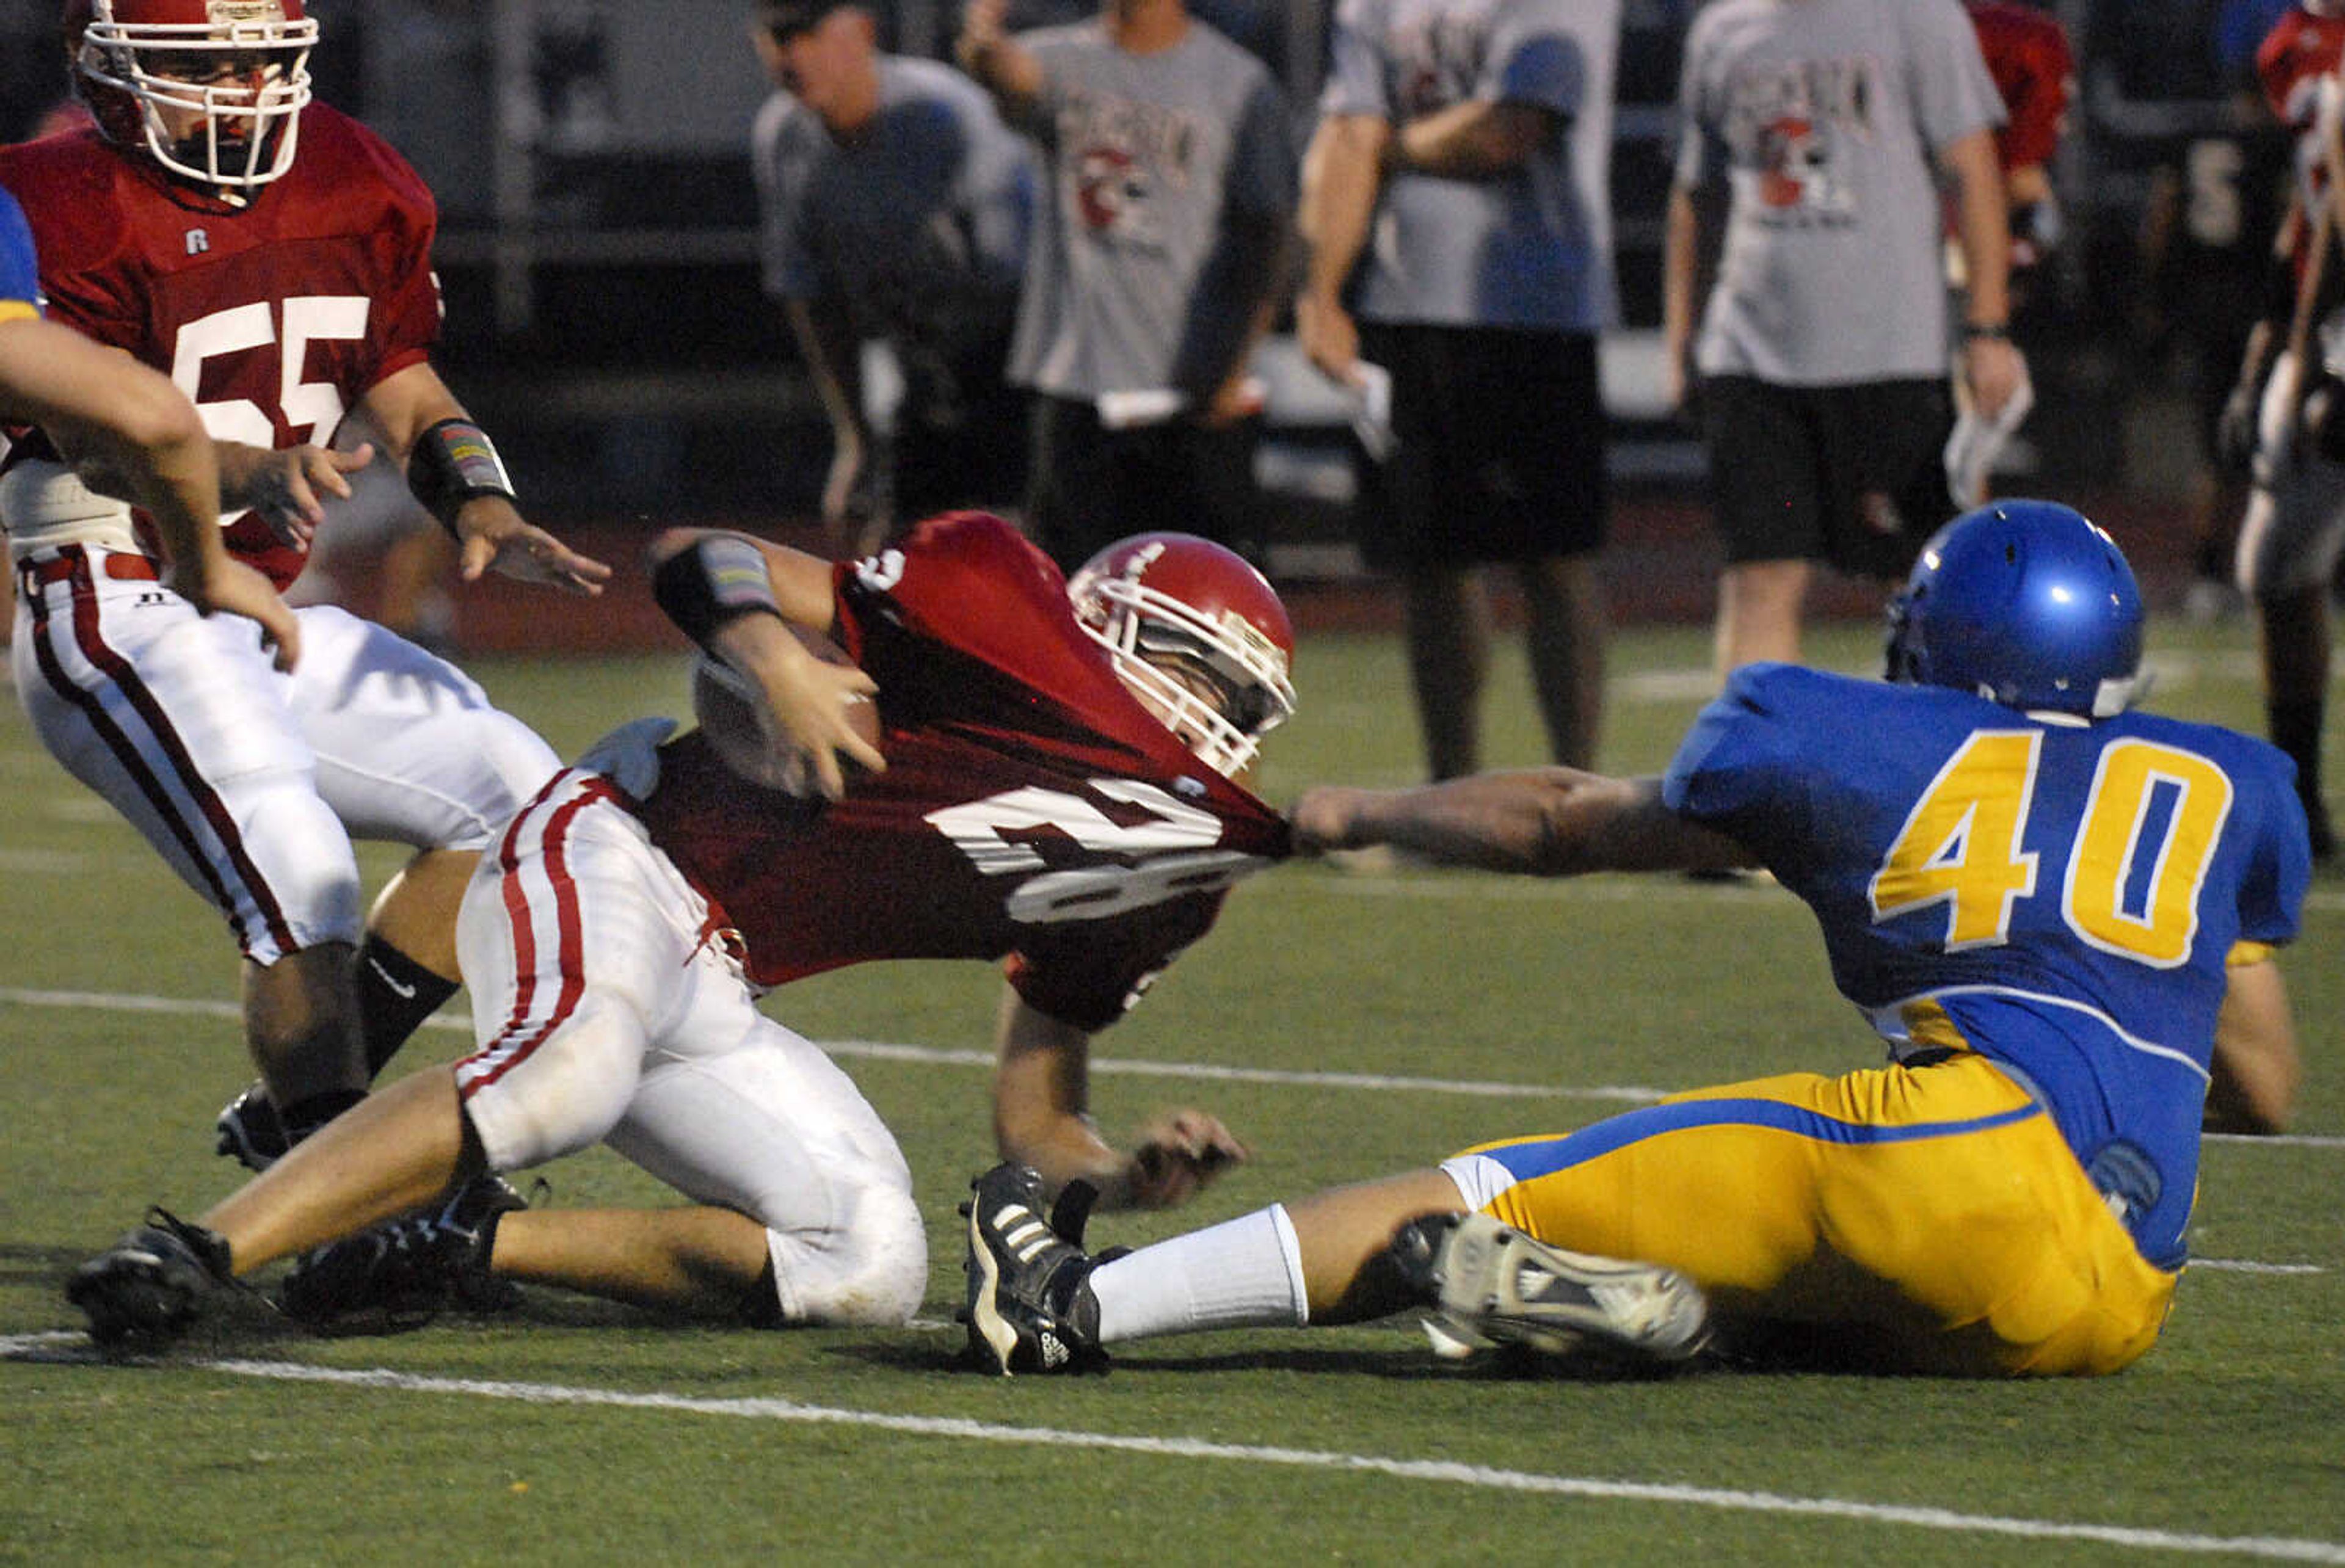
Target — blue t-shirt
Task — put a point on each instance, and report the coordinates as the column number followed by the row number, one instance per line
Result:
column 20, row 273
column 2060, row 897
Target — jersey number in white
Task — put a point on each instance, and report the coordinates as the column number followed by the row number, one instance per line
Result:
column 1186, row 834
column 313, row 408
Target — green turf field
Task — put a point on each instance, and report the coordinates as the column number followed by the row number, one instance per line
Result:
column 1346, row 1025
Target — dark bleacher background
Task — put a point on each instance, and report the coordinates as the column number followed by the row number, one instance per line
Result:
column 606, row 320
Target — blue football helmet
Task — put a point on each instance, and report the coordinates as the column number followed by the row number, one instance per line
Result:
column 2024, row 602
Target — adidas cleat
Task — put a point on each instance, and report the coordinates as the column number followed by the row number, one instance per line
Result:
column 1029, row 1309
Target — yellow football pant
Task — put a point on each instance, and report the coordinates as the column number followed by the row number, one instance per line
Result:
column 1927, row 1218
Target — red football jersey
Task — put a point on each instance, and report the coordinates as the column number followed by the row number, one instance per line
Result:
column 1032, row 807
column 2299, row 50
column 2028, row 54
column 2295, row 55
column 274, row 318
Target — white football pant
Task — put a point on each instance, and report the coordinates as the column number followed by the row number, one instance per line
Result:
column 249, row 782
column 607, row 1008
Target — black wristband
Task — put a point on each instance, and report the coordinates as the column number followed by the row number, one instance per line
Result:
column 451, row 462
column 712, row 582
column 1994, row 329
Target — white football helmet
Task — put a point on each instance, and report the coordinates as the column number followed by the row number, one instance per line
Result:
column 1175, row 612
column 241, row 66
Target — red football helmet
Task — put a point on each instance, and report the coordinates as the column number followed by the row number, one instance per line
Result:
column 241, row 67
column 1176, row 611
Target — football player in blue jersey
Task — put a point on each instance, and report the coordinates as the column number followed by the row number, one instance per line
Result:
column 2058, row 912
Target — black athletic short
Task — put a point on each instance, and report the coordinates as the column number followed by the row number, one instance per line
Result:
column 1090, row 486
column 1788, row 466
column 1500, row 452
column 960, row 435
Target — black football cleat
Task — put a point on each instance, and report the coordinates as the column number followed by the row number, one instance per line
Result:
column 145, row 1286
column 1030, row 1306
column 250, row 1130
column 409, row 1270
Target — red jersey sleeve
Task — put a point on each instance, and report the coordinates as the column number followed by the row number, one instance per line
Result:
column 2295, row 54
column 2028, row 54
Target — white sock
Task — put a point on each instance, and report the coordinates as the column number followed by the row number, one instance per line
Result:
column 1243, row 1273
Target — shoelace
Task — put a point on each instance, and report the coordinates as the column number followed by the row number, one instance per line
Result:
column 192, row 1236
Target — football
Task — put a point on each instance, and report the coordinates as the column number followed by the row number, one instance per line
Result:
column 724, row 707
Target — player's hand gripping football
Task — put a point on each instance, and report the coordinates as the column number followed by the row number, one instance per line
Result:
column 1177, row 1154
column 809, row 706
column 495, row 534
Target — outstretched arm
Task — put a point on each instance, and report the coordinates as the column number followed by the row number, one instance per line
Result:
column 1041, row 1093
column 1544, row 822
column 461, row 481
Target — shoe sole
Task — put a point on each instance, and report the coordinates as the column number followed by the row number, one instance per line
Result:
column 133, row 1299
column 1650, row 1313
column 985, row 1320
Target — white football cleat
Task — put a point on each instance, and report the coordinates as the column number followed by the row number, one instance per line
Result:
column 1493, row 1285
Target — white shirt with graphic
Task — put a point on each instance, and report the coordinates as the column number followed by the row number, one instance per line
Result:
column 1826, row 118
column 1146, row 157
column 1531, row 248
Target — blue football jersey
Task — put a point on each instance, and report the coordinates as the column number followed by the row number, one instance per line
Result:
column 2056, row 895
column 20, row 273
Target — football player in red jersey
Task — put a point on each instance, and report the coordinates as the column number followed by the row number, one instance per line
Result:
column 2286, row 406
column 123, row 415
column 272, row 257
column 1059, row 790
column 2026, row 51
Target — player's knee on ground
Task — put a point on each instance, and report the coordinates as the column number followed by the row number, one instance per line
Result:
column 870, row 1269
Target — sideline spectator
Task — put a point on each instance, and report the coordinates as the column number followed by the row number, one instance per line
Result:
column 1458, row 187
column 1156, row 268
column 894, row 207
column 1822, row 353
column 2288, row 393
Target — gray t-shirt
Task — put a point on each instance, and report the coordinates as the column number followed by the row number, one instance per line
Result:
column 920, row 225
column 1825, row 116
column 1532, row 249
column 1148, row 155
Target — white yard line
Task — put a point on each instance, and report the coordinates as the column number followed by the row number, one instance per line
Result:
column 70, row 1347
column 881, row 1050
